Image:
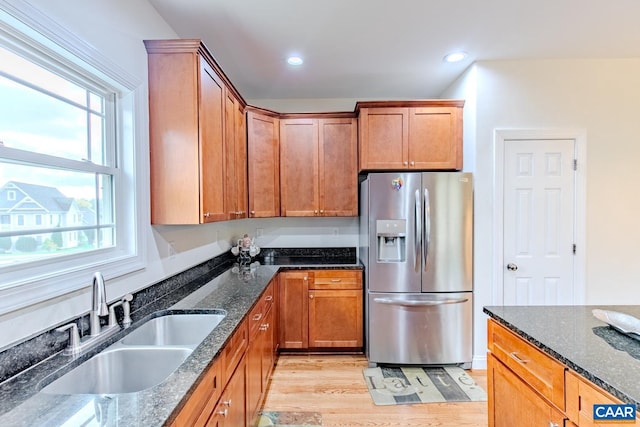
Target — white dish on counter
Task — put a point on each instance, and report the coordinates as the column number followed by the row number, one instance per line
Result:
column 622, row 322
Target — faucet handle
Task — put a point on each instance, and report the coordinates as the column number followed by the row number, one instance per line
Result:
column 112, row 313
column 74, row 338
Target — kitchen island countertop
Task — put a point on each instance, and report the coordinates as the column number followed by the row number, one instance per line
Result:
column 573, row 336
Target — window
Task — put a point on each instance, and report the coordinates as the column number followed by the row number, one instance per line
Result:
column 57, row 129
column 67, row 163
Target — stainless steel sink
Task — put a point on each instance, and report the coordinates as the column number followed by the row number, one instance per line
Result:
column 174, row 329
column 120, row 370
column 142, row 359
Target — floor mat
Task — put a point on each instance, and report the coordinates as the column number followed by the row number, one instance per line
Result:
column 408, row 385
column 290, row 419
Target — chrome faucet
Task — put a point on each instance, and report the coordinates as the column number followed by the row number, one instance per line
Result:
column 99, row 308
column 98, row 305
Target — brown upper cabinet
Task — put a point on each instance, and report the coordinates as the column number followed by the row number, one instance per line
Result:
column 263, row 141
column 236, row 197
column 421, row 135
column 189, row 129
column 318, row 166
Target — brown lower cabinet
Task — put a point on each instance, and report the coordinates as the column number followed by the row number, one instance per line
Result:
column 232, row 390
column 320, row 309
column 528, row 387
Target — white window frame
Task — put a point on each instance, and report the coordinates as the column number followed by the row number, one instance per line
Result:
column 23, row 286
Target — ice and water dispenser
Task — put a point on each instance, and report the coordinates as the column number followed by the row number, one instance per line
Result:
column 391, row 237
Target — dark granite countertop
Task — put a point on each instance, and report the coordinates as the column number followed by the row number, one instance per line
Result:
column 21, row 403
column 572, row 335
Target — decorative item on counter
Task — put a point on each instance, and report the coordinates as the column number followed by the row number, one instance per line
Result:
column 245, row 250
column 246, row 272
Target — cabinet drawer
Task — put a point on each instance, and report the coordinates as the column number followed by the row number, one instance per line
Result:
column 534, row 367
column 234, row 350
column 259, row 312
column 512, row 402
column 581, row 395
column 336, row 279
column 269, row 296
column 200, row 404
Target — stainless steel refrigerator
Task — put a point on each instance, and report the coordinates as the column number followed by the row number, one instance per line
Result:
column 416, row 232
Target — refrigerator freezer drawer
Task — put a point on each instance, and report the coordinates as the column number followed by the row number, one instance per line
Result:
column 420, row 329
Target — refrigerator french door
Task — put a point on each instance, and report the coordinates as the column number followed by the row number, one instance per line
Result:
column 416, row 243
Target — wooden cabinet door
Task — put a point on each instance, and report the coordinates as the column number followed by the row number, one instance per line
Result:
column 268, row 349
column 293, row 309
column 231, row 409
column 335, row 318
column 212, row 165
column 254, row 376
column 242, row 200
column 235, row 158
column 263, row 165
column 338, row 167
column 299, row 167
column 513, row 403
column 435, row 138
column 384, row 138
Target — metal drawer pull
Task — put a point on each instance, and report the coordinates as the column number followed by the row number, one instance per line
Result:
column 224, row 412
column 552, row 424
column 264, row 326
column 257, row 317
column 517, row 358
column 336, row 280
column 269, row 298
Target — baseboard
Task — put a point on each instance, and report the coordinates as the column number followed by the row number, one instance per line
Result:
column 479, row 362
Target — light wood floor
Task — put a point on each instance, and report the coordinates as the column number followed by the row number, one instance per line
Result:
column 333, row 385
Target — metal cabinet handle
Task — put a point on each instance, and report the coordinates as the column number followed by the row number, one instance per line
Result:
column 226, row 402
column 207, row 214
column 336, row 280
column 268, row 298
column 413, row 163
column 512, row 267
column 517, row 358
column 552, row 424
column 311, row 296
column 224, row 412
column 257, row 317
column 264, row 326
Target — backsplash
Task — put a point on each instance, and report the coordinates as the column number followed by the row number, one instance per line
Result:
column 155, row 297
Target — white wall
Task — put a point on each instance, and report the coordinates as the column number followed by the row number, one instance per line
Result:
column 116, row 29
column 600, row 96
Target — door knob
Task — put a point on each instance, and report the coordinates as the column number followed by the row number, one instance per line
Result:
column 512, row 267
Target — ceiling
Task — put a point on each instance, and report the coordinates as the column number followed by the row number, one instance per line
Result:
column 392, row 49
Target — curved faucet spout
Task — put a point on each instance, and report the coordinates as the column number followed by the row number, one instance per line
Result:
column 99, row 303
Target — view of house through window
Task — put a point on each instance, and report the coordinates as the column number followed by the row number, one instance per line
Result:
column 57, row 160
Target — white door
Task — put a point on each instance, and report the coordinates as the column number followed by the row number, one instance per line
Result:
column 539, row 222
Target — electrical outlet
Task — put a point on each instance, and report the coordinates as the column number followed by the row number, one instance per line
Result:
column 171, row 250
column 259, row 232
column 336, row 231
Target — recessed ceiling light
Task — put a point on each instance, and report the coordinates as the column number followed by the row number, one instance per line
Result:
column 294, row 60
column 455, row 57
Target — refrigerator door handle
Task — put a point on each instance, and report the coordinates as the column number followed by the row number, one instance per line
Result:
column 419, row 303
column 418, row 233
column 427, row 227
